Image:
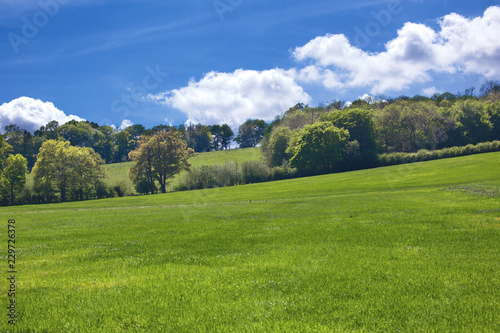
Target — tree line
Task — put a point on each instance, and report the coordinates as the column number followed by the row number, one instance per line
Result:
column 66, row 161
column 112, row 145
column 337, row 138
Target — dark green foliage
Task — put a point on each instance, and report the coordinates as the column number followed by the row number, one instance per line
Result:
column 407, row 126
column 101, row 190
column 121, row 189
column 250, row 133
column 124, row 145
column 361, row 129
column 23, row 143
column 493, row 111
column 222, row 135
column 217, row 137
column 49, row 131
column 145, row 186
column 79, row 134
column 274, row 148
column 318, row 148
column 104, row 143
column 472, row 123
column 226, row 136
column 200, row 138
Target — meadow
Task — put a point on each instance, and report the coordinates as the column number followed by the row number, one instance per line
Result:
column 117, row 173
column 411, row 248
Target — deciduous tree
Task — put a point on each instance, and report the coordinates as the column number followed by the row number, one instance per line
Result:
column 14, row 176
column 64, row 169
column 158, row 158
column 275, row 147
column 250, row 133
column 318, row 148
column 361, row 128
column 227, row 135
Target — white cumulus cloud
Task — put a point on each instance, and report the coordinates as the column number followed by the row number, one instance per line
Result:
column 232, row 98
column 430, row 91
column 462, row 44
column 31, row 114
column 125, row 123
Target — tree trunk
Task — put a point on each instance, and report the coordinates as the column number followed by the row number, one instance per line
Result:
column 12, row 196
column 63, row 194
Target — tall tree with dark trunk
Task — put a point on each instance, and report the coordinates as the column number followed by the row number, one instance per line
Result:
column 250, row 133
column 227, row 135
column 159, row 158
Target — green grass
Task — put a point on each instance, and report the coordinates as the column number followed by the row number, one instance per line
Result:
column 410, row 248
column 118, row 172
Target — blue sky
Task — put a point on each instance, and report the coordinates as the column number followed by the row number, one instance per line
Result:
column 167, row 62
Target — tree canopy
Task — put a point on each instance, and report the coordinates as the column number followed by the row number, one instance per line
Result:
column 318, row 148
column 158, row 158
column 250, row 133
column 13, row 177
column 67, row 171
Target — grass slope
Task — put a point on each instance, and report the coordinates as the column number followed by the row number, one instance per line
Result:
column 404, row 248
column 118, row 172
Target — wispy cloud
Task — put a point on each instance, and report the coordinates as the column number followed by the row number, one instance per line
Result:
column 127, row 37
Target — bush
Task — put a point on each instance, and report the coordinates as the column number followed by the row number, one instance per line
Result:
column 425, row 155
column 468, row 150
column 144, row 186
column 282, row 172
column 255, row 172
column 210, row 176
column 26, row 196
column 120, row 189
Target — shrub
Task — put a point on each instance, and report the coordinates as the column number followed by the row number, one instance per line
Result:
column 26, row 196
column 121, row 188
column 254, row 172
column 425, row 155
column 468, row 150
column 495, row 146
column 210, row 176
column 101, row 190
column 283, row 172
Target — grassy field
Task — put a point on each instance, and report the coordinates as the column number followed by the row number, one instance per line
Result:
column 411, row 248
column 118, row 172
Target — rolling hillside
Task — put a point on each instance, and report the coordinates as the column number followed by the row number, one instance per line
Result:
column 404, row 248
